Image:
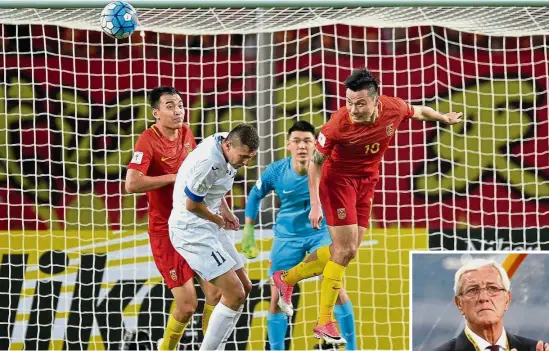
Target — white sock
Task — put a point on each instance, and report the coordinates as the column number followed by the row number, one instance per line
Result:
column 220, row 326
column 235, row 320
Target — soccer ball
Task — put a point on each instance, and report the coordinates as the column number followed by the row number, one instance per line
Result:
column 118, row 19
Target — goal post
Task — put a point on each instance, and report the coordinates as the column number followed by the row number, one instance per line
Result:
column 270, row 3
column 76, row 265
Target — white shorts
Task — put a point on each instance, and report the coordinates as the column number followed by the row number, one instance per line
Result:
column 208, row 250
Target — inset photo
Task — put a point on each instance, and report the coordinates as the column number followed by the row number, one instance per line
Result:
column 489, row 301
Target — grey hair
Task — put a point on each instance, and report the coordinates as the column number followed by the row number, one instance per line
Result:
column 475, row 265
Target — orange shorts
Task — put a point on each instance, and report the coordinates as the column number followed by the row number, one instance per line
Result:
column 347, row 200
column 172, row 266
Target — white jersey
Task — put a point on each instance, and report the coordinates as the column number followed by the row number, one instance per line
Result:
column 205, row 176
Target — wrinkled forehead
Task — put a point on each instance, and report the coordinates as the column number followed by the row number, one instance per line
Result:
column 358, row 95
column 481, row 276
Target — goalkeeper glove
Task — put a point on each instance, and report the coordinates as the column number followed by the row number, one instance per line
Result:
column 249, row 249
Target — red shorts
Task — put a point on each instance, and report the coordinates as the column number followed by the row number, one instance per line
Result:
column 347, row 200
column 172, row 266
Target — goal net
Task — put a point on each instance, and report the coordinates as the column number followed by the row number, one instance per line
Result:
column 76, row 270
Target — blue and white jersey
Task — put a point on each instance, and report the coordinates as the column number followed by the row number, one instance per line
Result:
column 204, row 176
column 292, row 189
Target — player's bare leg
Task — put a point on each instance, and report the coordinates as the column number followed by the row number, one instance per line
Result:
column 345, row 243
column 221, row 323
column 185, row 305
column 247, row 284
column 343, row 250
column 212, row 296
column 245, row 280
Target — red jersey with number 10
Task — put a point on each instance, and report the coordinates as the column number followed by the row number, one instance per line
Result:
column 356, row 149
column 154, row 155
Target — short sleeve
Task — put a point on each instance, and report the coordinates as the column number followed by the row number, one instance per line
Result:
column 200, row 180
column 142, row 154
column 189, row 137
column 406, row 110
column 328, row 137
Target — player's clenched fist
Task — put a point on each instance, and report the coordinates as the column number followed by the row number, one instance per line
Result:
column 249, row 248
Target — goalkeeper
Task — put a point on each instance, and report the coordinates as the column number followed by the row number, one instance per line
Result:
column 294, row 236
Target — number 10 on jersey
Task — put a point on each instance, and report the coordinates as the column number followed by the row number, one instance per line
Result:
column 372, row 148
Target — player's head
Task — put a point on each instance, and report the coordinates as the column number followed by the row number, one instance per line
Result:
column 241, row 145
column 301, row 141
column 167, row 107
column 362, row 94
column 481, row 289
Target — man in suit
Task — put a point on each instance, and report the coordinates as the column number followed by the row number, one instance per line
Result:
column 482, row 295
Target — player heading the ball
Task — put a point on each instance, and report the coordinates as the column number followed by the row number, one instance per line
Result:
column 342, row 179
column 294, row 236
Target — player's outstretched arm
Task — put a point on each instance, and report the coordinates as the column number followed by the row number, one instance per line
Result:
column 137, row 182
column 425, row 113
column 314, row 172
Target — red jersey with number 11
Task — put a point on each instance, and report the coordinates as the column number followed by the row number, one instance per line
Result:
column 154, row 155
column 356, row 149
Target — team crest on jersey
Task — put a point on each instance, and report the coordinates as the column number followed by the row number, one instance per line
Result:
column 173, row 275
column 390, row 130
column 341, row 213
column 199, row 187
column 188, row 147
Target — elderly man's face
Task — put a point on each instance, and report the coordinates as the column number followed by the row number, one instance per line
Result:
column 483, row 300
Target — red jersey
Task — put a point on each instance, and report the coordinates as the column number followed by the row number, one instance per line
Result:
column 356, row 149
column 154, row 155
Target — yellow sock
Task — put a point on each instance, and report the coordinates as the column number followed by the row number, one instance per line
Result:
column 306, row 270
column 208, row 309
column 172, row 335
column 331, row 284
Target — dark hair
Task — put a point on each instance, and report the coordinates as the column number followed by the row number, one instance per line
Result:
column 362, row 79
column 246, row 134
column 302, row 126
column 156, row 93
